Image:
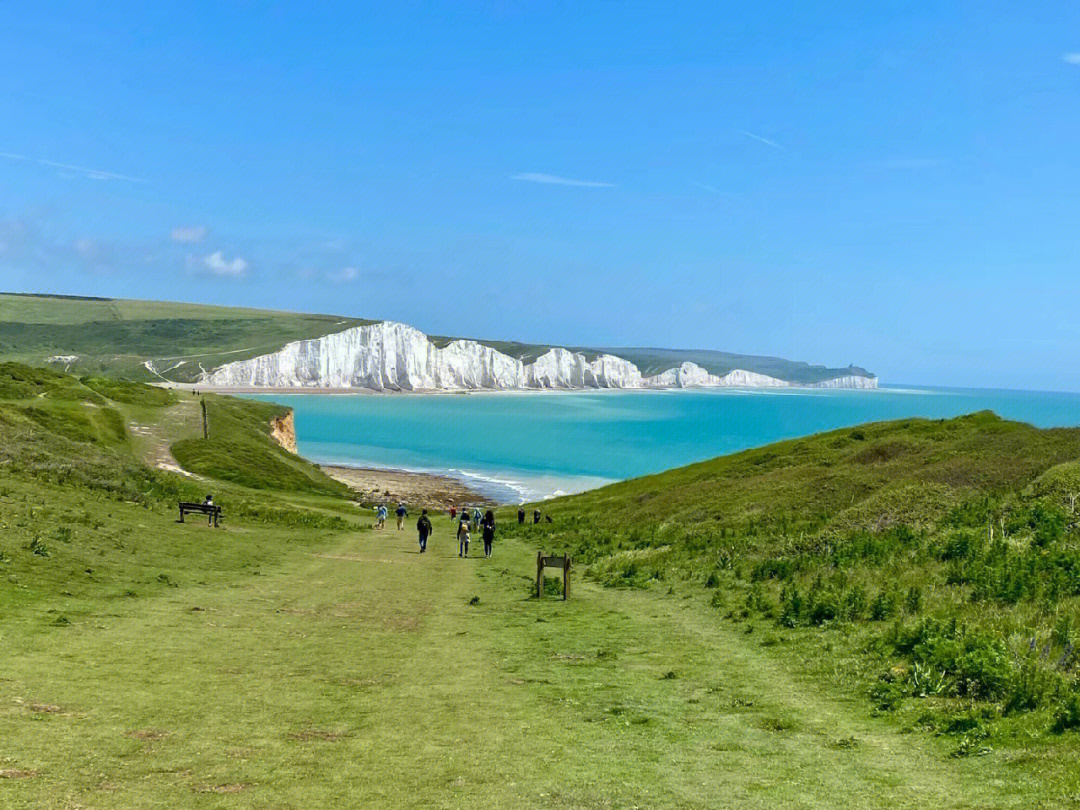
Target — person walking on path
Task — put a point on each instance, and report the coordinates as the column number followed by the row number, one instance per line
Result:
column 463, row 535
column 536, row 516
column 489, row 531
column 453, row 512
column 380, row 516
column 423, row 528
column 476, row 518
column 401, row 513
column 521, row 515
column 210, row 515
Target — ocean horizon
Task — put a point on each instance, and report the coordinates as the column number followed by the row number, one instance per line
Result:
column 517, row 447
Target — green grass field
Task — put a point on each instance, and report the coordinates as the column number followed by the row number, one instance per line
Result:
column 115, row 336
column 297, row 658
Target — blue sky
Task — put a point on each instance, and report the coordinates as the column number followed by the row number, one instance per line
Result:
column 886, row 184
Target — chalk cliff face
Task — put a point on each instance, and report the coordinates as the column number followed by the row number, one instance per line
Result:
column 390, row 356
column 851, row 381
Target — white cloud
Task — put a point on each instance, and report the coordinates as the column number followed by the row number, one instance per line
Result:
column 760, row 139
column 1071, row 58
column 217, row 264
column 539, row 177
column 190, row 233
column 344, row 275
column 91, row 174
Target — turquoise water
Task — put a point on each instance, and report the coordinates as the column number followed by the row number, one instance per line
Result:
column 533, row 445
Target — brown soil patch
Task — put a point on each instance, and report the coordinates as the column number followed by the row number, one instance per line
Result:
column 147, row 734
column 310, row 734
column 17, row 773
column 46, row 708
column 235, row 787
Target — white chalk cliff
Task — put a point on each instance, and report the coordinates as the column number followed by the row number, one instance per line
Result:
column 390, row 356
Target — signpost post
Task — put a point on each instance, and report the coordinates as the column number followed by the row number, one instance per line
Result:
column 543, row 562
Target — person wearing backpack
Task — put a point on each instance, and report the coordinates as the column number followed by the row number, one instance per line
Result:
column 521, row 515
column 401, row 513
column 423, row 528
column 488, row 526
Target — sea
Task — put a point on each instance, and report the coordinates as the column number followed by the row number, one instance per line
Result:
column 525, row 446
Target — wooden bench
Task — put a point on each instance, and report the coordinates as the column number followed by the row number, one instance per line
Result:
column 543, row 562
column 201, row 508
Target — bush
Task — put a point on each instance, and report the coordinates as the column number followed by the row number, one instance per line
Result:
column 1030, row 688
column 883, row 607
column 1067, row 715
column 976, row 663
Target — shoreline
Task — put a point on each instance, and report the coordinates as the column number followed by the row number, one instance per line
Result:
column 417, row 489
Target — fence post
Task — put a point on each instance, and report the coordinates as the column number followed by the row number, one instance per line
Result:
column 205, row 424
column 539, row 574
column 566, row 578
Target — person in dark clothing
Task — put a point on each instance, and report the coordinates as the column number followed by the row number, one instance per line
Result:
column 521, row 515
column 536, row 516
column 547, row 518
column 488, row 526
column 423, row 528
column 210, row 516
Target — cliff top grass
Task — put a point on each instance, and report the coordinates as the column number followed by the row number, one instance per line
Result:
column 113, row 337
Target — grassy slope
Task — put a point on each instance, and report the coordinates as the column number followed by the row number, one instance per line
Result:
column 868, row 553
column 115, row 336
column 295, row 660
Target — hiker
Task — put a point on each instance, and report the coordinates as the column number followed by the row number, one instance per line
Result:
column 423, row 528
column 453, row 512
column 401, row 513
column 476, row 517
column 380, row 516
column 547, row 518
column 209, row 502
column 521, row 515
column 536, row 516
column 463, row 536
column 489, row 532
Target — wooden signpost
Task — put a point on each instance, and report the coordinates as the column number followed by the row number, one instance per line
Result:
column 543, row 562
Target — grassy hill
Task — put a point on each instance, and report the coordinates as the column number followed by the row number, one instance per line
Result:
column 294, row 658
column 116, row 336
column 931, row 566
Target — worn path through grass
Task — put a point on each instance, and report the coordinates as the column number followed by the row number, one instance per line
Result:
column 356, row 673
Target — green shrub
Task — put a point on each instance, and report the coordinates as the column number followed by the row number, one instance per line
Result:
column 1067, row 715
column 883, row 607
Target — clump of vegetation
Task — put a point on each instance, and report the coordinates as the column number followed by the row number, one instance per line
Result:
column 942, row 555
